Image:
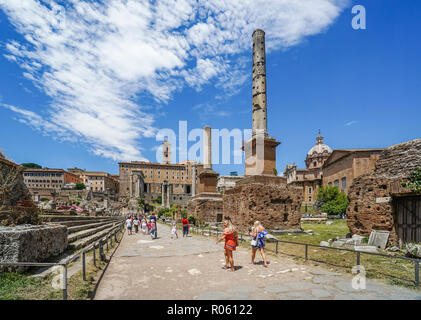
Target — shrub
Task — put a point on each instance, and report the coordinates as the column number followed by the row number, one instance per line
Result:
column 80, row 186
column 159, row 199
column 192, row 219
column 414, row 181
column 331, row 200
column 163, row 211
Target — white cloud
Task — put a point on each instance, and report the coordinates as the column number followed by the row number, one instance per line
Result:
column 350, row 123
column 96, row 60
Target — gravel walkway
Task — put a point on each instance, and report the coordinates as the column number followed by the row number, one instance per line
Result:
column 191, row 268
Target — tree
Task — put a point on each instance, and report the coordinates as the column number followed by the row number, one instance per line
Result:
column 164, row 212
column 80, row 186
column 159, row 199
column 331, row 200
column 141, row 202
column 31, row 165
column 192, row 220
column 275, row 171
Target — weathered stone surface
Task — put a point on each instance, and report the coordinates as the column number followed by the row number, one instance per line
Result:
column 28, row 243
column 324, row 244
column 24, row 213
column 378, row 239
column 394, row 166
column 264, row 198
column 413, row 250
column 205, row 209
column 12, row 187
column 371, row 249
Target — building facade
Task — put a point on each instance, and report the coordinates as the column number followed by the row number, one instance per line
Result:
column 325, row 167
column 311, row 178
column 175, row 183
column 345, row 165
column 99, row 181
column 47, row 182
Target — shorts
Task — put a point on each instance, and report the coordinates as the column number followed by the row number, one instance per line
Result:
column 230, row 245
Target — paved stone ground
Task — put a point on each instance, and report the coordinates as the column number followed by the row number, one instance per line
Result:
column 191, row 268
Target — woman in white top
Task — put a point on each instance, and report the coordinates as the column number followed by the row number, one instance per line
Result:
column 258, row 233
column 144, row 226
column 129, row 226
column 174, row 230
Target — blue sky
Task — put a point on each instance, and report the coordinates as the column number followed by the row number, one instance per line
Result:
column 87, row 84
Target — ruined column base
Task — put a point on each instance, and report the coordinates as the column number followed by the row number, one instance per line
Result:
column 267, row 199
column 206, row 207
column 260, row 154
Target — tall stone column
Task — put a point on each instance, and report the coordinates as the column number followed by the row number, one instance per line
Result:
column 259, row 84
column 207, row 148
column 193, row 180
column 131, row 185
column 138, row 191
column 168, row 195
column 163, row 195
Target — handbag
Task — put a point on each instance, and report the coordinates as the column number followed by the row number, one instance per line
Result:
column 253, row 242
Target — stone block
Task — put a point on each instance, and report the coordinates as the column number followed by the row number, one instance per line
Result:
column 371, row 249
column 378, row 239
column 30, row 243
column 324, row 244
column 338, row 244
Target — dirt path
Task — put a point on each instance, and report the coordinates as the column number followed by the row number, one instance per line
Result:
column 191, row 268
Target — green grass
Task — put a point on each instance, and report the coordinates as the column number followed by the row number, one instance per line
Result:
column 322, row 232
column 17, row 286
column 20, row 286
column 394, row 271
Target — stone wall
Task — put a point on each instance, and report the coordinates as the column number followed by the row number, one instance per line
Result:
column 28, row 243
column 365, row 212
column 12, row 186
column 264, row 198
column 205, row 209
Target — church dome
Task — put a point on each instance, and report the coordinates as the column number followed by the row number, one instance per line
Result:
column 320, row 147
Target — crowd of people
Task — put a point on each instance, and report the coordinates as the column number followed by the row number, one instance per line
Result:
column 136, row 223
column 229, row 236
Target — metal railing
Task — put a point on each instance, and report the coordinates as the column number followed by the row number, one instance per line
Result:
column 416, row 261
column 112, row 234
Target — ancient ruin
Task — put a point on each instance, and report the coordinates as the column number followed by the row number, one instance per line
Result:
column 260, row 150
column 12, row 186
column 379, row 201
column 262, row 195
column 207, row 205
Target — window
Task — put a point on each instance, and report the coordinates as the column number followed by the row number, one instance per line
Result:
column 309, row 199
column 330, row 184
column 344, row 183
column 310, row 190
column 336, row 183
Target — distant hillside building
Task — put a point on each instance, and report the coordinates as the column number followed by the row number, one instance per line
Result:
column 345, row 165
column 46, row 181
column 174, row 183
column 325, row 167
column 310, row 179
column 99, row 181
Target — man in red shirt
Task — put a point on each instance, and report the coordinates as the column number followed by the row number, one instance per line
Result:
column 185, row 223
